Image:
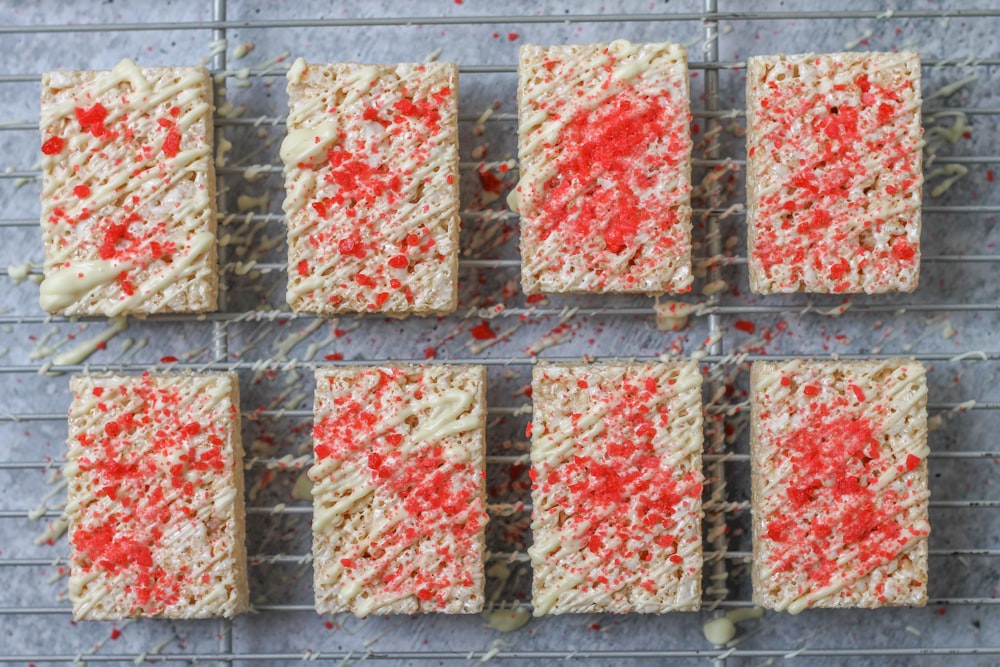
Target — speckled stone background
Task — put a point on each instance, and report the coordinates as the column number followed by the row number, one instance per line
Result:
column 953, row 312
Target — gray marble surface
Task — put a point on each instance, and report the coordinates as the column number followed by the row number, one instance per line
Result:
column 627, row 327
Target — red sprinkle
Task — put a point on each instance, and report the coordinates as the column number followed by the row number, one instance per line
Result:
column 811, row 390
column 336, row 356
column 399, row 262
column 92, row 119
column 511, row 36
column 172, row 144
column 490, row 182
column 912, row 461
column 745, row 326
column 116, row 633
column 858, row 393
column 55, row 145
column 303, row 268
column 482, row 332
column 786, row 381
column 169, row 359
column 81, row 191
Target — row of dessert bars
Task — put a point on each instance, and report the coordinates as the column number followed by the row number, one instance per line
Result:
column 839, row 496
column 371, row 178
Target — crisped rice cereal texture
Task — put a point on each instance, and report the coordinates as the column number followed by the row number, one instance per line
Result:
column 616, row 494
column 128, row 191
column 834, row 172
column 155, row 507
column 399, row 494
column 604, row 149
column 839, row 474
column 371, row 180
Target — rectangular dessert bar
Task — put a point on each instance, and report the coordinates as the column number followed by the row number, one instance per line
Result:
column 616, row 494
column 399, row 493
column 834, row 172
column 604, row 149
column 155, row 507
column 128, row 191
column 838, row 460
column 371, row 180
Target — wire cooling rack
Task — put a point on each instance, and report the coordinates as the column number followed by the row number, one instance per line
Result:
column 948, row 324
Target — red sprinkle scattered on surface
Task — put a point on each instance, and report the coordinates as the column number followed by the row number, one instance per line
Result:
column 425, row 492
column 989, row 175
column 490, row 182
column 81, row 191
column 172, row 144
column 806, row 230
column 116, row 633
column 129, row 460
column 511, row 36
column 482, row 331
column 745, row 326
column 838, row 457
column 858, row 393
column 811, row 390
column 92, row 119
column 616, row 154
column 53, row 146
column 169, row 359
column 625, row 497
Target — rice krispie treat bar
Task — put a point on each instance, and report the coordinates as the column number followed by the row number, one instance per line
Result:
column 128, row 191
column 838, row 454
column 399, row 497
column 371, row 179
column 834, row 172
column 156, row 516
column 604, row 149
column 617, row 479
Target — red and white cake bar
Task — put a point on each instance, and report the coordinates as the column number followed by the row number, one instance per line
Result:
column 616, row 493
column 834, row 172
column 128, row 191
column 399, row 491
column 156, row 517
column 838, row 454
column 604, row 149
column 371, row 180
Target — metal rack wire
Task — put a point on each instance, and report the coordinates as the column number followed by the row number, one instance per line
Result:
column 716, row 312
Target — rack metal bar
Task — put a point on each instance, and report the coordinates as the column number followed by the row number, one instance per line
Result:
column 495, row 460
column 475, row 166
column 493, row 20
column 300, row 559
column 610, row 311
column 475, row 654
column 500, row 117
column 32, row 369
column 717, row 261
column 493, row 410
column 496, row 508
